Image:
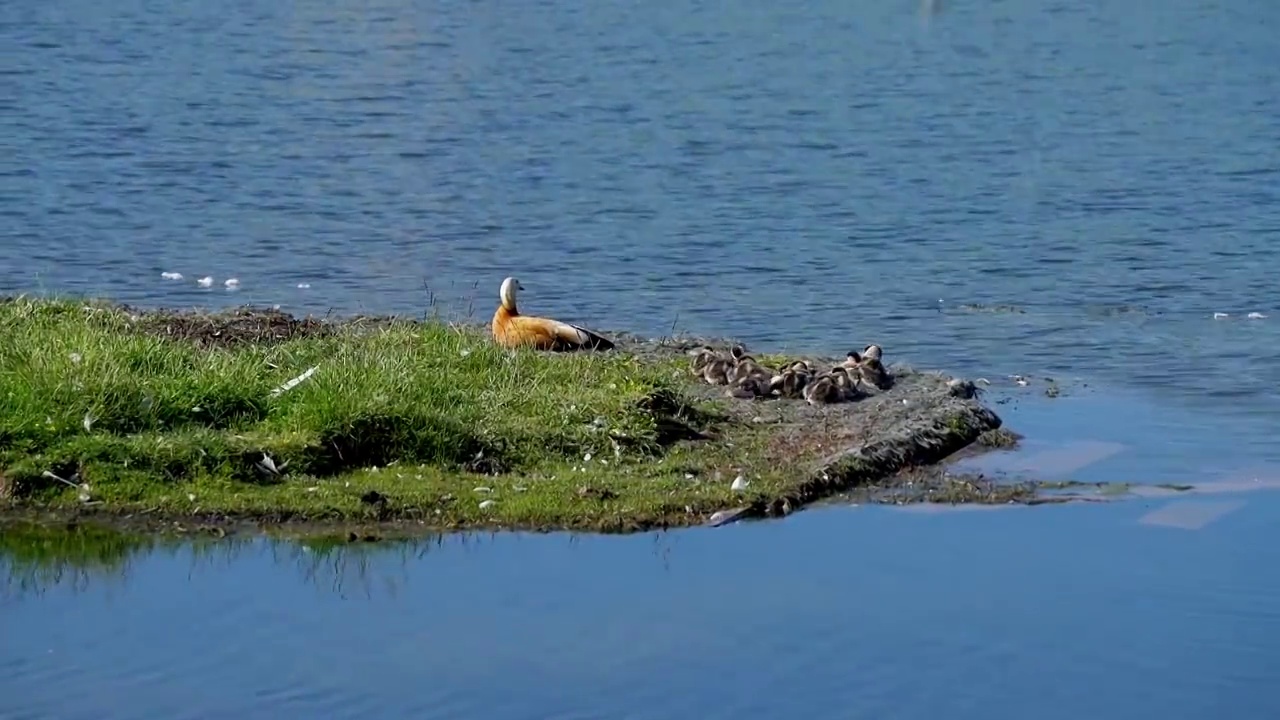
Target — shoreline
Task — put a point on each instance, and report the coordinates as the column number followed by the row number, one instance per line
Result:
column 678, row 443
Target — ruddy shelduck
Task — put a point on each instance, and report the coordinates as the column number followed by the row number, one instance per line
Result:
column 511, row 329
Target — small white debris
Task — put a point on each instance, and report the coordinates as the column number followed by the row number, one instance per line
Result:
column 232, row 283
column 191, row 497
column 586, row 458
column 313, row 488
column 206, row 281
column 739, row 483
column 1220, row 315
column 482, row 489
column 724, row 517
column 487, row 504
column 466, row 353
column 88, row 421
column 688, row 476
column 291, row 384
column 171, row 275
column 75, row 358
column 1255, row 316
column 267, row 466
column 54, row 476
column 304, row 286
column 519, row 488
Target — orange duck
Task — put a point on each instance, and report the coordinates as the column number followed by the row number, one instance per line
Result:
column 511, row 329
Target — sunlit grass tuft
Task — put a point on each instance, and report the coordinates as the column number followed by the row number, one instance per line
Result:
column 132, row 412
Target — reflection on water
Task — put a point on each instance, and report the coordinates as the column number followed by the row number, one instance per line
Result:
column 1160, row 602
column 830, row 614
column 36, row 558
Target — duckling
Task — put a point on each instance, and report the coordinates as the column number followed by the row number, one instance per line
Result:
column 748, row 367
column 790, row 382
column 702, row 356
column 750, row 387
column 823, row 389
column 718, row 370
column 850, row 386
column 711, row 366
column 832, row 386
column 799, row 366
column 872, row 370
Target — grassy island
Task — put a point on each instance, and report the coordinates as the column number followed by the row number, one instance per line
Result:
column 111, row 411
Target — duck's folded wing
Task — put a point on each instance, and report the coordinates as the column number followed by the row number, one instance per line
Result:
column 555, row 335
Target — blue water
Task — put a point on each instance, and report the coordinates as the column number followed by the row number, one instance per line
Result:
column 813, row 177
column 1054, row 612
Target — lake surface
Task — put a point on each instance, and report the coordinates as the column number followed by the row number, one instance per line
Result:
column 1161, row 607
column 815, row 178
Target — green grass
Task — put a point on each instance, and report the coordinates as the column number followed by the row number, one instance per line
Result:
column 400, row 421
column 409, row 410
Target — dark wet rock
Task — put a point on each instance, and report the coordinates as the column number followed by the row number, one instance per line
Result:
column 588, row 492
column 998, row 438
column 373, row 497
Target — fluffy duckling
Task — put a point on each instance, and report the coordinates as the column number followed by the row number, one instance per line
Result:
column 832, row 386
column 713, row 367
column 750, row 387
column 718, row 371
column 511, row 329
column 799, row 366
column 871, row 369
column 790, row 382
column 702, row 357
column 748, row 367
column 850, row 385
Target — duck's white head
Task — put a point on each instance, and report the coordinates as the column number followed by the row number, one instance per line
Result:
column 507, row 294
column 872, row 352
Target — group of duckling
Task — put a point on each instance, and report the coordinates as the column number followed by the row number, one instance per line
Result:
column 749, row 379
